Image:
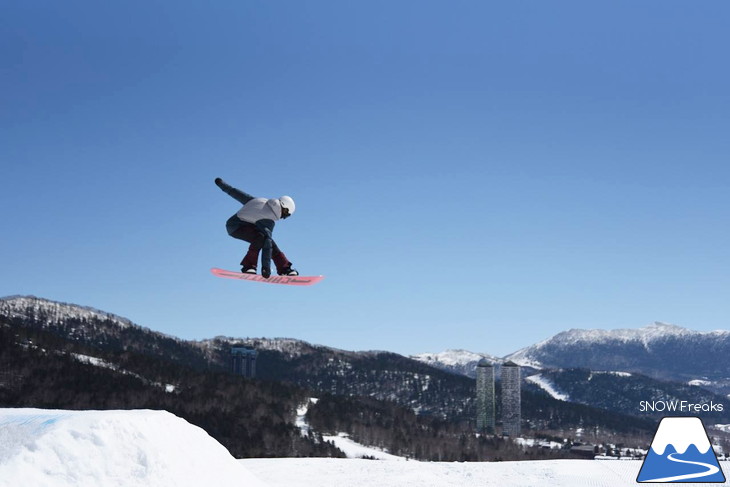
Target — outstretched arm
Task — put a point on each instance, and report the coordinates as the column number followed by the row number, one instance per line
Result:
column 240, row 196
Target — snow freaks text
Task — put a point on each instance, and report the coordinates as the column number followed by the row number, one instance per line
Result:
column 679, row 407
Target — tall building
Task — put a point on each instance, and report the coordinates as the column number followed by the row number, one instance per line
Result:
column 486, row 411
column 243, row 361
column 511, row 405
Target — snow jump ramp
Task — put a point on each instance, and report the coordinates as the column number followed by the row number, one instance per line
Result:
column 51, row 448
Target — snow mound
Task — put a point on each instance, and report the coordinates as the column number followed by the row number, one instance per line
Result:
column 53, row 448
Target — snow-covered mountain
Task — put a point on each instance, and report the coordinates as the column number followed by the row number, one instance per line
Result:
column 115, row 344
column 660, row 350
column 382, row 375
column 647, row 338
column 431, row 383
column 53, row 313
column 86, row 325
column 456, row 361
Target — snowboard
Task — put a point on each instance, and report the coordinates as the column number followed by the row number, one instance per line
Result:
column 287, row 280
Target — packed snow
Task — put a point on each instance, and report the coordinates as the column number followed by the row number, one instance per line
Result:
column 51, row 448
column 330, row 472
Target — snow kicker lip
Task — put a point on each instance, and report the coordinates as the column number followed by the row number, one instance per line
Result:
column 288, row 280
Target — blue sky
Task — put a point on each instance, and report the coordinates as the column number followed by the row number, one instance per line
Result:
column 477, row 175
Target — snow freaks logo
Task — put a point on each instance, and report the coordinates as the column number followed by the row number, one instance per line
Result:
column 680, row 406
column 681, row 452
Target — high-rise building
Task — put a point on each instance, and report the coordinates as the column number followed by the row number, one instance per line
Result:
column 511, row 405
column 486, row 415
column 243, row 361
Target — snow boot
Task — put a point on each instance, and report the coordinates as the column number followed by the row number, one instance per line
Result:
column 283, row 266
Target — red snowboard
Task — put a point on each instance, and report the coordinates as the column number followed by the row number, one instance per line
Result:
column 288, row 280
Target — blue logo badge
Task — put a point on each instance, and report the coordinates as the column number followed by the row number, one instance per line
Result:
column 681, row 452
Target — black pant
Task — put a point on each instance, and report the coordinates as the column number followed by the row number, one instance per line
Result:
column 248, row 232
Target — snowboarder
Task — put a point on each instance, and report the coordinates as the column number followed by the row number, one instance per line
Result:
column 254, row 223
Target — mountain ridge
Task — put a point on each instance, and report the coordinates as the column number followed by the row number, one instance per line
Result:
column 380, row 375
column 659, row 350
column 83, row 362
column 433, row 384
column 646, row 335
column 52, row 311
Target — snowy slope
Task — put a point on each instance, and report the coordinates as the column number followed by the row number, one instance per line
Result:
column 331, row 472
column 449, row 357
column 547, row 386
column 461, row 362
column 51, row 448
column 645, row 337
column 342, row 441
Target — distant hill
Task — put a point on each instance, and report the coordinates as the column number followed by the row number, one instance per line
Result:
column 64, row 355
column 461, row 362
column 620, row 370
column 661, row 351
column 54, row 355
column 628, row 393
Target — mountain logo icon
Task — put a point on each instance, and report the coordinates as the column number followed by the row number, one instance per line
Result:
column 681, row 452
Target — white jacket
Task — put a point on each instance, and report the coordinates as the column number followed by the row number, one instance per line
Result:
column 260, row 209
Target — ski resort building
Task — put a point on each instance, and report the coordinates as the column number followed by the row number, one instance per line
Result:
column 486, row 411
column 511, row 405
column 243, row 361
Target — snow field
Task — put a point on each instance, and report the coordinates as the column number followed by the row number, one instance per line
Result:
column 49, row 448
column 334, row 472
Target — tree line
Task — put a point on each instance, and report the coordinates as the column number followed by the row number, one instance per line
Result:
column 250, row 418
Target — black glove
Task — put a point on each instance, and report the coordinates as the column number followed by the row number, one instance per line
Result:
column 266, row 272
column 218, row 181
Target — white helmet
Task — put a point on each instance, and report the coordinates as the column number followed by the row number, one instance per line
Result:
column 287, row 203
